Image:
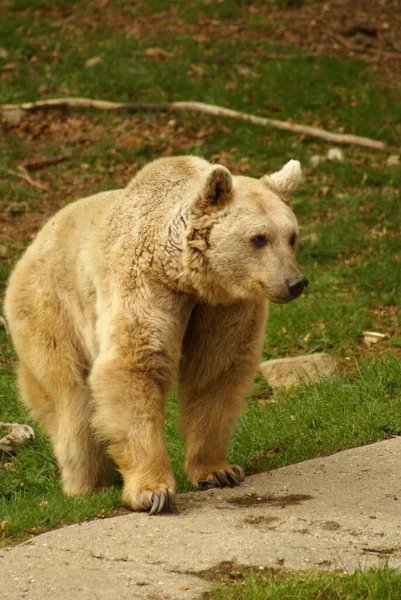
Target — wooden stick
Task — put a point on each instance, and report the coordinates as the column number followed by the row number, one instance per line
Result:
column 370, row 51
column 200, row 107
column 41, row 163
column 26, row 177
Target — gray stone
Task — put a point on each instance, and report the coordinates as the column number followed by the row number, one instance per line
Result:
column 286, row 372
column 12, row 117
column 393, row 159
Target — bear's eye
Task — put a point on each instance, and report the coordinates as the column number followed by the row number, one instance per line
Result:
column 293, row 240
column 259, row 240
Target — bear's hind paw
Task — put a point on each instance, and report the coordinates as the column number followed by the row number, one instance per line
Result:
column 222, row 478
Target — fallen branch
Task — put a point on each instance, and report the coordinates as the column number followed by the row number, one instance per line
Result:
column 41, row 163
column 26, row 177
column 200, row 107
column 371, row 51
column 340, row 38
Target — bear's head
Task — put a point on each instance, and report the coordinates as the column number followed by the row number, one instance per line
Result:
column 243, row 236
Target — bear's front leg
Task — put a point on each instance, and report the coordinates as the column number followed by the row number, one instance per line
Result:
column 129, row 382
column 221, row 350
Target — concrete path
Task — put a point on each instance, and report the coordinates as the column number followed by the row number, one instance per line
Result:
column 340, row 512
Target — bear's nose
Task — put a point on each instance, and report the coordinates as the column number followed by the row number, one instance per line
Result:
column 296, row 285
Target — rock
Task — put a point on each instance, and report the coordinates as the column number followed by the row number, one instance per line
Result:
column 372, row 337
column 393, row 159
column 315, row 160
column 18, row 435
column 12, row 116
column 335, row 154
column 286, row 372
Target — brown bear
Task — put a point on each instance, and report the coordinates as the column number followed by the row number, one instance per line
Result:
column 125, row 292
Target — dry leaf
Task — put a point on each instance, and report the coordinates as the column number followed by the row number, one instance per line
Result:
column 92, row 62
column 158, row 53
column 3, row 527
column 9, row 67
column 3, row 321
column 312, row 238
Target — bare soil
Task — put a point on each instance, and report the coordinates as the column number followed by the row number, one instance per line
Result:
column 367, row 29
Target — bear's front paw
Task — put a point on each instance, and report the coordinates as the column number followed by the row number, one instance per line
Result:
column 154, row 501
column 228, row 477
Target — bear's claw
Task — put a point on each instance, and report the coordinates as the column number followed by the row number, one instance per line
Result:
column 153, row 501
column 222, row 478
column 162, row 501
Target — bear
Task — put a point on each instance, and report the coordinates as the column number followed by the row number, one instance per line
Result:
column 124, row 293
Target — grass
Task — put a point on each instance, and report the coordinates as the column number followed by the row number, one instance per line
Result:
column 350, row 212
column 313, row 420
column 381, row 584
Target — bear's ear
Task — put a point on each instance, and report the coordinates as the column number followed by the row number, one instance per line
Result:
column 286, row 180
column 217, row 189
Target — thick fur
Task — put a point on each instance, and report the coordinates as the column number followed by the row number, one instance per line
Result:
column 123, row 293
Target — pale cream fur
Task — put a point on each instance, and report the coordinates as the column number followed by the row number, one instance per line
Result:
column 123, row 293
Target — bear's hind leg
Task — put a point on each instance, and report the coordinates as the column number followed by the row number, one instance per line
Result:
column 82, row 459
column 221, row 349
column 85, row 466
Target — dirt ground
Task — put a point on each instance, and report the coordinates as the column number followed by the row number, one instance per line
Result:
column 68, row 180
column 366, row 29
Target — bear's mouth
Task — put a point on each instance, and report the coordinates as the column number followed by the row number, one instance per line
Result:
column 275, row 299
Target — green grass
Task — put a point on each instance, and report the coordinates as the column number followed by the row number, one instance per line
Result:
column 310, row 421
column 380, row 584
column 349, row 212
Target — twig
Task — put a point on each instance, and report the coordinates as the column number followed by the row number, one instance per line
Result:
column 380, row 550
column 35, row 165
column 26, row 177
column 370, row 51
column 340, row 38
column 394, row 44
column 200, row 107
column 8, row 67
